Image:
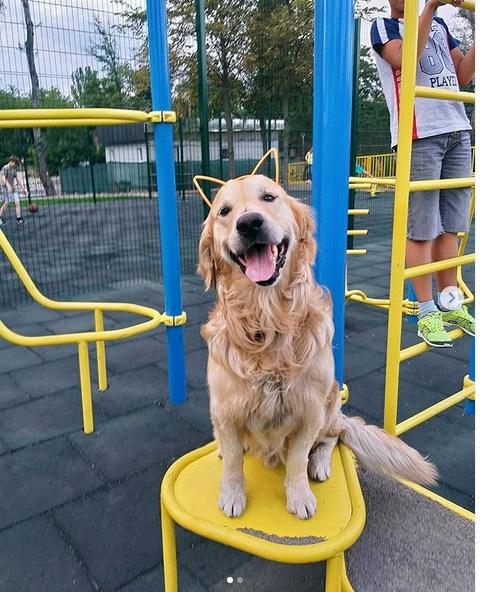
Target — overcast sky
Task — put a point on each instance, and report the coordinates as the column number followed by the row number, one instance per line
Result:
column 64, row 31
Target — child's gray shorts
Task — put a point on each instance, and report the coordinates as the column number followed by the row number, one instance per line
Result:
column 431, row 213
column 10, row 197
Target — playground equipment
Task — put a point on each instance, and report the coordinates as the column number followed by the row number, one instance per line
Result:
column 189, row 498
column 99, row 336
column 395, row 355
column 189, row 489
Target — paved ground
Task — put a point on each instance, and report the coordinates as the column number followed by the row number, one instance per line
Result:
column 81, row 513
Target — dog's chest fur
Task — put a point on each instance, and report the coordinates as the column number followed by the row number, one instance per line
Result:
column 271, row 403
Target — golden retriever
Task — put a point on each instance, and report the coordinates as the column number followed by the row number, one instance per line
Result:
column 270, row 365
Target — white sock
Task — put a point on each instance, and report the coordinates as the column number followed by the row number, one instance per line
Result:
column 426, row 307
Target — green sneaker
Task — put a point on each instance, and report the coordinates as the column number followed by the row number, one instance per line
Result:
column 431, row 330
column 460, row 318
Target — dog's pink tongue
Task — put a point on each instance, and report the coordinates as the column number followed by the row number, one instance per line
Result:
column 260, row 265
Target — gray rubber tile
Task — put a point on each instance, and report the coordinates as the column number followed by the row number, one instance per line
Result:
column 40, row 477
column 134, row 442
column 35, row 557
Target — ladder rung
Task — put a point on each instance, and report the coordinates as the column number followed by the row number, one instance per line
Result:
column 439, row 266
column 441, row 184
column 447, row 95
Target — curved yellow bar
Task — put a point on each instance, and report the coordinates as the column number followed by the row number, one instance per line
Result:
column 98, row 336
column 156, row 318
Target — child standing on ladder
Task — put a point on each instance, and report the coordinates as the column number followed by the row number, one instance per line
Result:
column 441, row 149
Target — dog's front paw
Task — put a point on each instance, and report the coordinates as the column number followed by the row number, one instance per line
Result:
column 232, row 502
column 303, row 505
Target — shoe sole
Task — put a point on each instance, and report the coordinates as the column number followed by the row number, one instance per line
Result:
column 458, row 327
column 446, row 344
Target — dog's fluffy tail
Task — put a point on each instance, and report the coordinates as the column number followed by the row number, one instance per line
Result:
column 377, row 450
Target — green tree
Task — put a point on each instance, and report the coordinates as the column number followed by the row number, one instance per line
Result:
column 373, row 118
column 280, row 67
column 15, row 140
column 116, row 84
column 64, row 146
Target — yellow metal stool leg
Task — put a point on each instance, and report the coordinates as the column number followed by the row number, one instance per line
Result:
column 101, row 357
column 345, row 585
column 333, row 573
column 169, row 545
column 85, row 387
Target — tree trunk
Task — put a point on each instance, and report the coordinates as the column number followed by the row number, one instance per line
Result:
column 227, row 106
column 286, row 138
column 37, row 132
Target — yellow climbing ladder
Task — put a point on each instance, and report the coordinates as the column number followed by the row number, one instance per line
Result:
column 403, row 187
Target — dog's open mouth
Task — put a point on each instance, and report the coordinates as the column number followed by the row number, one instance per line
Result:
column 262, row 263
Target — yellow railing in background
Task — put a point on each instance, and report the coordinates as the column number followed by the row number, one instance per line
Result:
column 381, row 166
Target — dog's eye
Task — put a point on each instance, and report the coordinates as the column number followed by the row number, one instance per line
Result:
column 269, row 197
column 224, row 211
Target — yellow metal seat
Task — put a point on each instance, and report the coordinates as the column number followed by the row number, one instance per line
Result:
column 99, row 335
column 189, row 494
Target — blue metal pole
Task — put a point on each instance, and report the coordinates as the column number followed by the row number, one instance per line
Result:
column 470, row 403
column 332, row 109
column 167, row 202
column 412, row 297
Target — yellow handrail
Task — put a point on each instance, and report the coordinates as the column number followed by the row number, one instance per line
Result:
column 13, row 118
column 82, row 339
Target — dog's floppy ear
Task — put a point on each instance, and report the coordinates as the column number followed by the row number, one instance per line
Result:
column 304, row 218
column 206, row 259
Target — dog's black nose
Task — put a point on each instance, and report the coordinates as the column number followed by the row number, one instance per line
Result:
column 250, row 224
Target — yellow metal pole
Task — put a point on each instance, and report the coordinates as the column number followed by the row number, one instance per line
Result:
column 345, row 585
column 85, row 387
column 169, row 545
column 101, row 357
column 333, row 575
column 402, row 189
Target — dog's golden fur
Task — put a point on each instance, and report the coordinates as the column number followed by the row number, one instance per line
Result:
column 270, row 366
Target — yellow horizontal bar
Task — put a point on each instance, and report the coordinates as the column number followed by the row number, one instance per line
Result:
column 434, row 410
column 441, row 184
column 74, row 117
column 353, row 185
column 419, row 270
column 425, row 92
column 28, row 123
column 356, row 251
column 358, row 212
column 420, row 348
column 72, row 114
column 391, row 181
column 357, row 232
